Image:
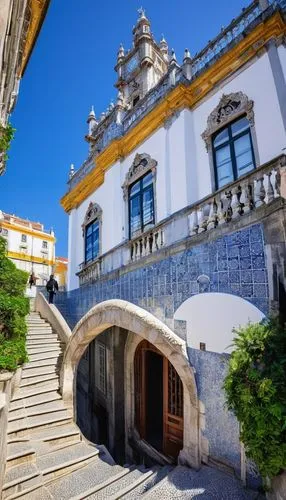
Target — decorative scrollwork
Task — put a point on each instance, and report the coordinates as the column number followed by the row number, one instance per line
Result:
column 142, row 163
column 93, row 212
column 230, row 107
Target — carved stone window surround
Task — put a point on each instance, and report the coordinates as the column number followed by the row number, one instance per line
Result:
column 230, row 107
column 141, row 165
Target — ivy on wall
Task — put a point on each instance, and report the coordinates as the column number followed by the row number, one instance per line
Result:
column 14, row 306
column 6, row 136
column 256, row 392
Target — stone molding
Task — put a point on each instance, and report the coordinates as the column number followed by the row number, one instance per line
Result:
column 93, row 212
column 141, row 164
column 230, row 107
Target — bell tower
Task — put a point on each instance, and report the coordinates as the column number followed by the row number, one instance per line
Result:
column 140, row 69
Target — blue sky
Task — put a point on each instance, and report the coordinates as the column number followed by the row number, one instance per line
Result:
column 71, row 68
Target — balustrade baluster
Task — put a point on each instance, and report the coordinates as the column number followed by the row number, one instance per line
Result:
column 235, row 202
column 193, row 222
column 259, row 192
column 277, row 181
column 212, row 220
column 269, row 188
column 221, row 209
column 202, row 220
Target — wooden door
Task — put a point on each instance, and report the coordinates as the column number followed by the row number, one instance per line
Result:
column 172, row 401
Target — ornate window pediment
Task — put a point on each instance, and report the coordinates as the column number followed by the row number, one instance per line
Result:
column 142, row 163
column 229, row 108
column 93, row 212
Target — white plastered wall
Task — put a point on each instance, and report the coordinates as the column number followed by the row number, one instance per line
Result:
column 211, row 317
column 183, row 170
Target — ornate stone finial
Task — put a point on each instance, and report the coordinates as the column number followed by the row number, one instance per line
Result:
column 72, row 171
column 173, row 58
column 142, row 14
column 111, row 106
column 120, row 53
column 91, row 120
column 187, row 55
column 102, row 116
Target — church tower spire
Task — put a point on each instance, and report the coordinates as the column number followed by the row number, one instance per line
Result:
column 139, row 69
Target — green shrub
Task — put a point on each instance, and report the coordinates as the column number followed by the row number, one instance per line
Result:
column 14, row 306
column 256, row 392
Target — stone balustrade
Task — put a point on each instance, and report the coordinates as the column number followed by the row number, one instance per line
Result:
column 88, row 273
column 254, row 190
column 231, row 203
column 146, row 244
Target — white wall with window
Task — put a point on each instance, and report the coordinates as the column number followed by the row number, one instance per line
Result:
column 186, row 172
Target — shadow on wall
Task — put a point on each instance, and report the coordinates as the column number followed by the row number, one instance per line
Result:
column 211, row 317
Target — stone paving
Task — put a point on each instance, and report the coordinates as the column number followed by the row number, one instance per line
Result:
column 206, row 484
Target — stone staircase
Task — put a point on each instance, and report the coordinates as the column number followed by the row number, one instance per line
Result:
column 48, row 458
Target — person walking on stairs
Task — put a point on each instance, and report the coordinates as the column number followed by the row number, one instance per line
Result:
column 52, row 288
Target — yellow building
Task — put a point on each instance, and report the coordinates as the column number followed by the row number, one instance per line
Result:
column 29, row 246
column 60, row 272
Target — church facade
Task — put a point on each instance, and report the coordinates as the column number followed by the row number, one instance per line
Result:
column 176, row 236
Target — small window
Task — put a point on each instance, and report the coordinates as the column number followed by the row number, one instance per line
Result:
column 233, row 152
column 45, row 244
column 100, row 366
column 4, row 232
column 23, row 238
column 92, row 241
column 141, row 204
column 135, row 100
column 202, row 346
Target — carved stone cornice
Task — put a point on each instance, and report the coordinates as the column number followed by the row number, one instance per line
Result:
column 142, row 164
column 230, row 107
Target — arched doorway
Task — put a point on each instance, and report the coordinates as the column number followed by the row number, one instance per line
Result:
column 141, row 325
column 158, row 400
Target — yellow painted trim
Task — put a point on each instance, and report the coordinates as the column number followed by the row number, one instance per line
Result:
column 179, row 98
column 30, row 258
column 23, row 230
column 38, row 12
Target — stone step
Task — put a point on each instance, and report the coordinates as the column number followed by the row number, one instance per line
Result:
column 37, row 420
column 80, row 480
column 55, row 435
column 52, row 361
column 40, row 370
column 42, row 356
column 40, row 397
column 113, row 480
column 35, row 492
column 41, row 339
column 124, row 485
column 19, row 478
column 19, row 453
column 27, row 392
column 38, row 350
column 27, row 382
column 143, row 488
column 36, row 410
column 30, row 429
column 60, row 462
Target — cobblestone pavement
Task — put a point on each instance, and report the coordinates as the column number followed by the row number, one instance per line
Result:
column 206, row 484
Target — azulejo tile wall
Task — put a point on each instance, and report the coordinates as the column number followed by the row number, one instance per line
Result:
column 234, row 263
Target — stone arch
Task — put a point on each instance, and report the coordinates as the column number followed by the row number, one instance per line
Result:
column 145, row 326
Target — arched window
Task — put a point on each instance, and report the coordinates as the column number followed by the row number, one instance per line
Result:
column 229, row 138
column 91, row 232
column 139, row 190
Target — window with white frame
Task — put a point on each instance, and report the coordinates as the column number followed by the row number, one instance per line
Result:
column 23, row 238
column 91, row 229
column 45, row 245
